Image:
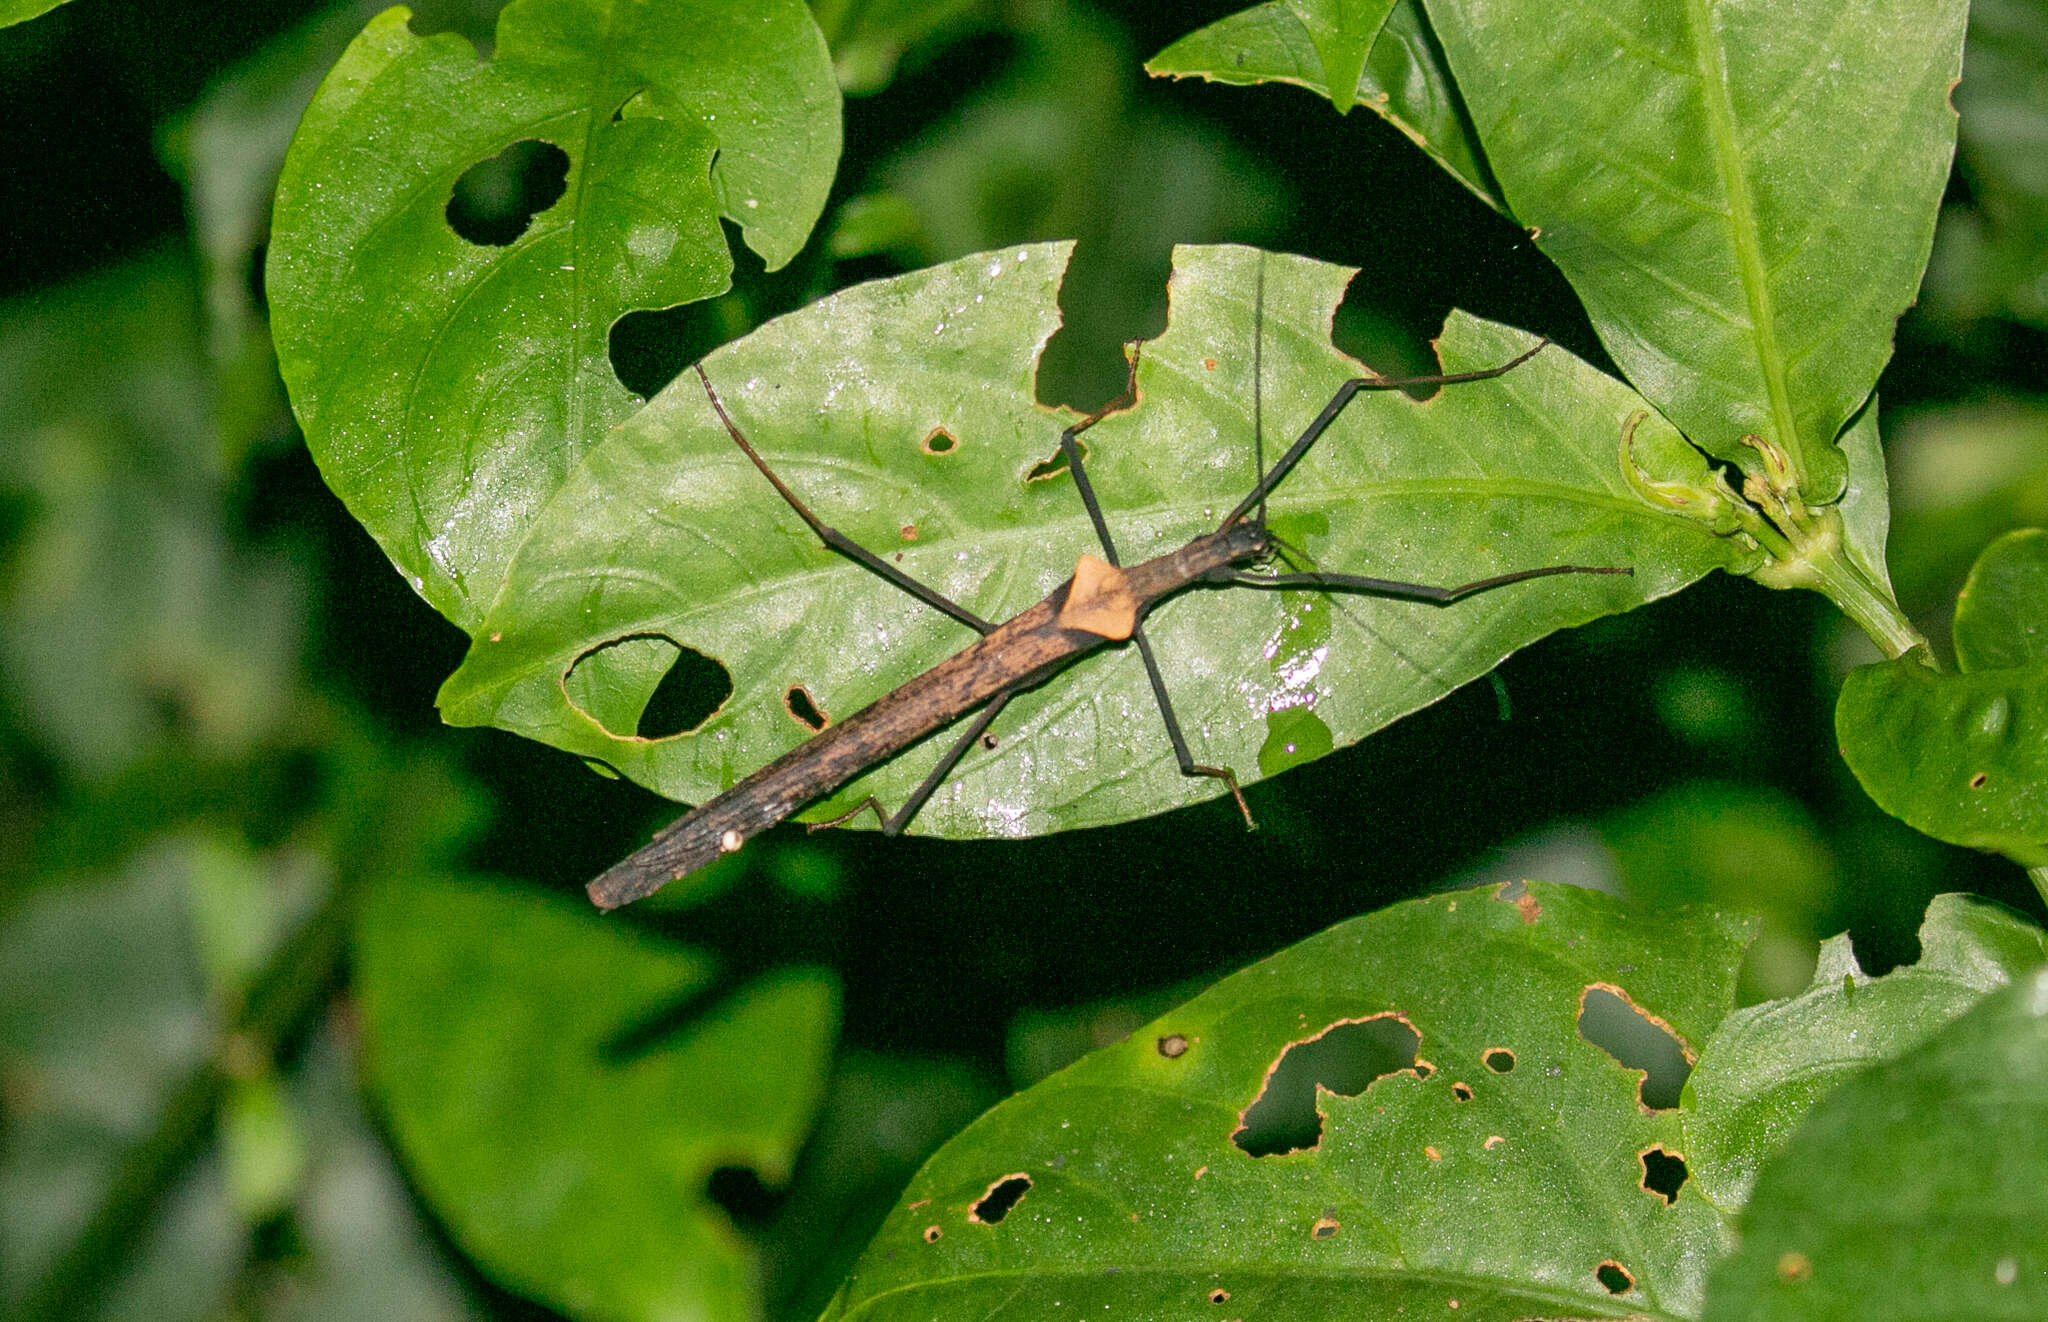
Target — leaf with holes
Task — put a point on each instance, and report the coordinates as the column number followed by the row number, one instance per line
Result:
column 902, row 412
column 1876, row 1212
column 1402, row 79
column 560, row 1119
column 447, row 384
column 1768, row 1065
column 1400, row 1117
column 1743, row 195
column 1965, row 757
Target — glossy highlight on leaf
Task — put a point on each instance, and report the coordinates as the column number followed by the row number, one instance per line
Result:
column 447, row 386
column 667, row 530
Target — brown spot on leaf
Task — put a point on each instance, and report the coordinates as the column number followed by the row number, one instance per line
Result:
column 1432, row 1154
column 1977, row 781
column 1492, row 1141
column 1173, row 1046
column 1325, row 1227
column 1794, row 1266
column 931, row 1234
column 908, row 532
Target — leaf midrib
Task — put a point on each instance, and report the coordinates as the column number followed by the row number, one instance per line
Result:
column 1742, row 219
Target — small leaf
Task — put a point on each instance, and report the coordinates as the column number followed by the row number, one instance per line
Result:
column 1918, row 1190
column 902, row 412
column 445, row 385
column 1743, row 196
column 571, row 1160
column 1768, row 1065
column 1403, row 80
column 1963, row 758
column 2002, row 613
column 1497, row 1174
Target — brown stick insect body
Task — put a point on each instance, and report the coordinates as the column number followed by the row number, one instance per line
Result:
column 1102, row 603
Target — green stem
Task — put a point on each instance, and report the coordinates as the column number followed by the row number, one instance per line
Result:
column 1863, row 601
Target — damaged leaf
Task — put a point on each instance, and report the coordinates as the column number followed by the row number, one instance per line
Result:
column 1445, row 1185
column 667, row 531
column 448, row 384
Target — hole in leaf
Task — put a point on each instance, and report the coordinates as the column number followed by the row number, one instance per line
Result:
column 1615, row 1277
column 495, row 200
column 1219, row 1296
column 1612, row 1022
column 738, row 1190
column 648, row 685
column 1499, row 1059
column 988, row 741
column 650, row 347
column 1462, row 1091
column 1325, row 1227
column 1173, row 1046
column 798, row 700
column 1003, row 1195
column 939, row 441
column 1055, row 466
column 1977, row 782
column 1345, row 1058
column 931, row 1234
column 1663, row 1173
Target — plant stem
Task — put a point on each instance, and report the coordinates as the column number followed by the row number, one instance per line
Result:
column 1863, row 601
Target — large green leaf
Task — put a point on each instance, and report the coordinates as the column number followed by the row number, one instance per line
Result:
column 1494, row 1181
column 1918, row 1191
column 447, row 386
column 1402, row 80
column 1743, row 196
column 667, row 538
column 570, row 1161
column 1767, row 1065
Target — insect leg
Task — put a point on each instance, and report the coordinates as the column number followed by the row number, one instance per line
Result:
column 1181, row 752
column 893, row 823
column 837, row 540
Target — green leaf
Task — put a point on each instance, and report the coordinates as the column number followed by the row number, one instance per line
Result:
column 1743, row 197
column 1919, row 1190
column 1403, row 80
column 1768, row 1065
column 1963, row 758
column 2002, row 612
column 128, row 621
column 20, row 11
column 446, row 386
column 1866, row 499
column 667, row 531
column 1498, row 1189
column 569, row 1160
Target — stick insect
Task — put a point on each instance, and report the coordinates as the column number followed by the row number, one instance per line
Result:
column 1103, row 602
